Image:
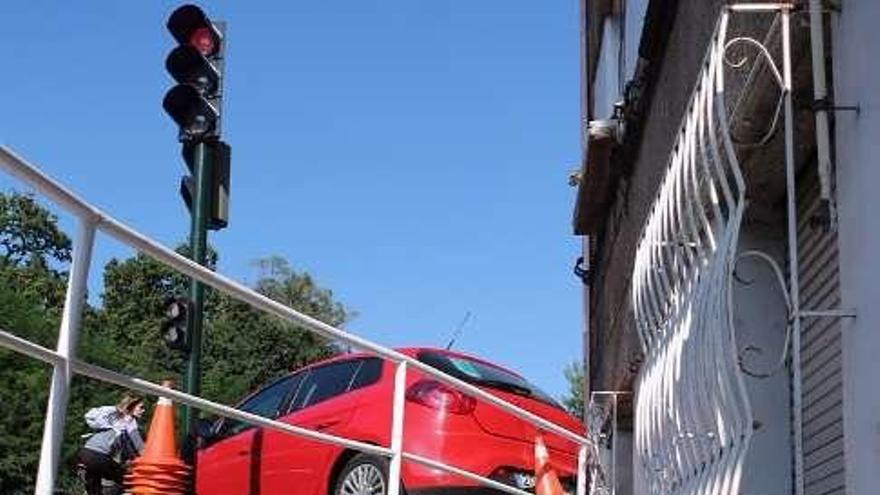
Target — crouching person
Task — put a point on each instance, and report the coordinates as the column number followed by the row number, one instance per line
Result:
column 115, row 440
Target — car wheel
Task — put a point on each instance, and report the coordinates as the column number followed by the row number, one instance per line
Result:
column 363, row 474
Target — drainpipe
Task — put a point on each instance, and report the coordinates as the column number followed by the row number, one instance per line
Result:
column 822, row 104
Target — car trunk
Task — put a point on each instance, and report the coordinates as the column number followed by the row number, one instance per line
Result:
column 497, row 422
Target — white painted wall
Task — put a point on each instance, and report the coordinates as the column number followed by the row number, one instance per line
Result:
column 605, row 88
column 855, row 42
column 760, row 319
column 634, row 21
column 624, row 465
column 607, row 81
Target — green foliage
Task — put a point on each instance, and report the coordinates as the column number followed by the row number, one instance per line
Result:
column 136, row 291
column 574, row 400
column 23, row 385
column 29, row 234
column 242, row 347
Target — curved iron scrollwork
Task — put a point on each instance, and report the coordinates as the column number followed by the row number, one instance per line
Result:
column 780, row 279
column 777, row 77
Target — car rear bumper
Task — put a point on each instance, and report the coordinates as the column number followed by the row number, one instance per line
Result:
column 460, row 441
column 462, row 490
column 455, row 490
column 478, row 453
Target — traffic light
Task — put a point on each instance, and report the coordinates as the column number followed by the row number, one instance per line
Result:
column 174, row 327
column 195, row 103
column 197, row 66
column 219, row 155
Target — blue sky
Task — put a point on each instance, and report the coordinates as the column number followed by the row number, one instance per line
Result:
column 411, row 155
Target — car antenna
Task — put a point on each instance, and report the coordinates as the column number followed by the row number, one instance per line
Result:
column 457, row 333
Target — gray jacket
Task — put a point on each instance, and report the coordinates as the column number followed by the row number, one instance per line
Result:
column 116, row 434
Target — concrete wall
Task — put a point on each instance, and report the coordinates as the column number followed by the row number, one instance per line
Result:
column 855, row 39
column 616, row 243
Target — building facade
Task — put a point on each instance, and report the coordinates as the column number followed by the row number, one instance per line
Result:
column 726, row 207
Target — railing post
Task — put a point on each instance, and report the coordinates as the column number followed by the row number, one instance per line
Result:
column 56, row 411
column 614, row 444
column 582, row 470
column 397, row 429
column 793, row 267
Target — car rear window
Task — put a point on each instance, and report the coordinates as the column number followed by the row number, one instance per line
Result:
column 369, row 373
column 325, row 382
column 266, row 403
column 485, row 375
column 334, row 379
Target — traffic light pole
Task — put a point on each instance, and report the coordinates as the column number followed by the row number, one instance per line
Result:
column 194, row 103
column 198, row 241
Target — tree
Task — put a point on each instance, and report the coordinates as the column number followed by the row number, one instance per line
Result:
column 23, row 385
column 136, row 291
column 33, row 250
column 33, row 255
column 29, row 234
column 245, row 348
column 574, row 400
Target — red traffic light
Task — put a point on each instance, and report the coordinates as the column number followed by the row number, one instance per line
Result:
column 197, row 65
column 190, row 26
column 203, row 40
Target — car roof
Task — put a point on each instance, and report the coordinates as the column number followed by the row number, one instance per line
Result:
column 408, row 351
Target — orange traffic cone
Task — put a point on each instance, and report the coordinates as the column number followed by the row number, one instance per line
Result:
column 159, row 470
column 546, row 481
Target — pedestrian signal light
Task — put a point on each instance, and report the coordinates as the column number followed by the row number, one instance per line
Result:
column 174, row 327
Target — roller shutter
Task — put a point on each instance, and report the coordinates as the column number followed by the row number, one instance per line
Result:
column 821, row 366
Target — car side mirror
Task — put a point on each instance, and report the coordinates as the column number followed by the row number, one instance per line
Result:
column 205, row 431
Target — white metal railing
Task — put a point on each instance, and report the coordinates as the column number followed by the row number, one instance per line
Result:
column 65, row 363
column 693, row 418
column 602, row 416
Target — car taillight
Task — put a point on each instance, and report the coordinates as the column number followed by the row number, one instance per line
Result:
column 436, row 395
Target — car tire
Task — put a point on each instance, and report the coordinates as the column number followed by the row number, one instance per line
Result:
column 363, row 474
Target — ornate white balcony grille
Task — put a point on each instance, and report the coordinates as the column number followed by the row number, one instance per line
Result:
column 693, row 419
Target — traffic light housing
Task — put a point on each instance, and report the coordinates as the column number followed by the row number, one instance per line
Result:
column 195, row 104
column 219, row 155
column 196, row 64
column 174, row 326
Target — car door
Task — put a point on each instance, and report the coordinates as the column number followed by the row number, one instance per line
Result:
column 224, row 467
column 324, row 402
column 232, row 462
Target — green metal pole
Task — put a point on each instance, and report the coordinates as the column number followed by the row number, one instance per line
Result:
column 198, row 242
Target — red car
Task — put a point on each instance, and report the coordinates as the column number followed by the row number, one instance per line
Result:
column 350, row 396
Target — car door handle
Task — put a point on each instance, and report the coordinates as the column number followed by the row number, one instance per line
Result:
column 323, row 425
column 243, row 452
